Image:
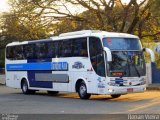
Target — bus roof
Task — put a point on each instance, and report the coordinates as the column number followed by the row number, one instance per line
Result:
column 78, row 34
column 96, row 33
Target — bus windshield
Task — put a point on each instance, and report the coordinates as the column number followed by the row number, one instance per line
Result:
column 127, row 57
column 122, row 43
column 126, row 64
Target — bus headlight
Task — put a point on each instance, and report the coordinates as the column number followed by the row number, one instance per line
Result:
column 110, row 90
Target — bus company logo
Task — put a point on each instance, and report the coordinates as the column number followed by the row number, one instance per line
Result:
column 78, row 65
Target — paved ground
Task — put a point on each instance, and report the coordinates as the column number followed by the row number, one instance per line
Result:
column 13, row 101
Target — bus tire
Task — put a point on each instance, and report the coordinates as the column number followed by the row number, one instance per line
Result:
column 82, row 91
column 116, row 96
column 24, row 87
column 52, row 92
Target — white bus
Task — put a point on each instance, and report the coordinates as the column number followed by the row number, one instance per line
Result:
column 88, row 62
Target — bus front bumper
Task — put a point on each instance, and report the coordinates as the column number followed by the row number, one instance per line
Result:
column 125, row 89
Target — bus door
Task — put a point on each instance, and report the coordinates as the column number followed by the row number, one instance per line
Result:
column 96, row 76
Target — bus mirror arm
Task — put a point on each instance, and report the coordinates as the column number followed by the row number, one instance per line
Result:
column 109, row 54
column 144, row 49
column 151, row 53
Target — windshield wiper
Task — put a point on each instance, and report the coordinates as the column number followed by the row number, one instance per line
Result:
column 125, row 69
column 130, row 63
column 139, row 75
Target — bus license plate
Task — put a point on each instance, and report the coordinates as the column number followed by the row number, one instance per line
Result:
column 130, row 90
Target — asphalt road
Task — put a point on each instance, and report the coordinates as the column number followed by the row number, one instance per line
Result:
column 13, row 101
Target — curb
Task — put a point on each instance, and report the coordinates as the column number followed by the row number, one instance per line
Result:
column 153, row 88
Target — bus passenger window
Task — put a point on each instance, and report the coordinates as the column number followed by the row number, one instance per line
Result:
column 10, row 53
column 29, row 51
column 80, row 47
column 67, row 48
column 18, row 52
column 41, row 50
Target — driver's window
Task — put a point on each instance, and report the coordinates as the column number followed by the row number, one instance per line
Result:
column 97, row 56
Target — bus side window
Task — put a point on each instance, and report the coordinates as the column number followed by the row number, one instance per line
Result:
column 10, row 51
column 96, row 55
column 53, row 49
column 80, row 47
column 29, row 51
column 75, row 48
column 58, row 49
column 15, row 53
column 41, row 50
column 84, row 52
column 67, row 48
column 18, row 52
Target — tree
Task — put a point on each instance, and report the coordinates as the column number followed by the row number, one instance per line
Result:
column 22, row 23
column 113, row 15
column 35, row 19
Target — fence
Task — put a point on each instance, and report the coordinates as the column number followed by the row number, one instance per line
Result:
column 155, row 73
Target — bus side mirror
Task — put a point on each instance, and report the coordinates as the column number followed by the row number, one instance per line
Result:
column 151, row 53
column 109, row 54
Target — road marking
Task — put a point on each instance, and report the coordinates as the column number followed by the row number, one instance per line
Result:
column 140, row 107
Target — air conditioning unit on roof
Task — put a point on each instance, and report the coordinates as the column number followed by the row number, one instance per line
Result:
column 82, row 32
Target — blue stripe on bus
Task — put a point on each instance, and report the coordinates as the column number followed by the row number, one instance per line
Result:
column 38, row 66
column 119, row 80
column 31, row 73
column 39, row 84
column 34, row 66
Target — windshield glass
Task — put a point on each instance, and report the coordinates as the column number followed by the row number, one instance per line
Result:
column 122, row 43
column 126, row 64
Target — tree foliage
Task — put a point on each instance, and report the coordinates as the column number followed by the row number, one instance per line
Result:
column 22, row 23
column 135, row 18
column 34, row 19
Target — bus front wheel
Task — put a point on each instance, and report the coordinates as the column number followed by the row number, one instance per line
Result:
column 24, row 87
column 82, row 91
column 116, row 96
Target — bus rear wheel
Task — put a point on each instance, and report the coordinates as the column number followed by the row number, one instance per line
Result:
column 82, row 91
column 24, row 87
column 116, row 96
